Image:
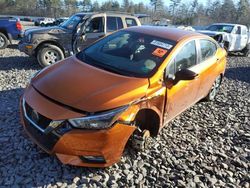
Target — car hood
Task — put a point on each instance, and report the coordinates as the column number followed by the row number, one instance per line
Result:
column 87, row 88
column 54, row 29
column 210, row 33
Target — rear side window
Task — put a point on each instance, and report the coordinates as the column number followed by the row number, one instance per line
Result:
column 130, row 22
column 114, row 23
column 208, row 49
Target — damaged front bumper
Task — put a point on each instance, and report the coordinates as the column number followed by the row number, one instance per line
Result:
column 90, row 148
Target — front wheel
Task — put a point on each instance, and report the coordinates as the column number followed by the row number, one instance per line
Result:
column 214, row 89
column 49, row 54
column 3, row 41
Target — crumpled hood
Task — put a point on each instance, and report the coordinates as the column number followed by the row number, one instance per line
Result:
column 210, row 33
column 54, row 29
column 82, row 86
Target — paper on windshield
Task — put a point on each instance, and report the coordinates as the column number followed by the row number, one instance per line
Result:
column 161, row 44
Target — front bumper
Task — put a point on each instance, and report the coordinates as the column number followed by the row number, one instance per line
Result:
column 27, row 48
column 75, row 144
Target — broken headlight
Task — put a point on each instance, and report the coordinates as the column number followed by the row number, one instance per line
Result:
column 98, row 121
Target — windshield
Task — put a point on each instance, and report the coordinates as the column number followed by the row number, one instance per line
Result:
column 221, row 28
column 128, row 53
column 72, row 22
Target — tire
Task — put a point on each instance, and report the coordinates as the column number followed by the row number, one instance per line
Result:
column 42, row 24
column 226, row 46
column 246, row 51
column 49, row 54
column 3, row 41
column 214, row 89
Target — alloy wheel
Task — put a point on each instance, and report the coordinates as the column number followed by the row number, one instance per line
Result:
column 2, row 41
column 51, row 56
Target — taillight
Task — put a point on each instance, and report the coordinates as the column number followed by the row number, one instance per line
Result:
column 19, row 26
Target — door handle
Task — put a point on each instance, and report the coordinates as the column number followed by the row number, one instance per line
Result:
column 101, row 36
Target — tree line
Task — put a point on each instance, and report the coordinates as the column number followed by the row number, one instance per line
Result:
column 178, row 12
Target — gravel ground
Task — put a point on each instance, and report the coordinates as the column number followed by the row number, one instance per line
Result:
column 208, row 145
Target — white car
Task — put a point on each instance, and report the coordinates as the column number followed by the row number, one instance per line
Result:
column 47, row 22
column 234, row 37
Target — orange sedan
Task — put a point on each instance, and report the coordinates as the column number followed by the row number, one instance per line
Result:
column 86, row 107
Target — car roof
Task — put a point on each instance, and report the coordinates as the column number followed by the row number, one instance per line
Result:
column 230, row 24
column 107, row 13
column 173, row 34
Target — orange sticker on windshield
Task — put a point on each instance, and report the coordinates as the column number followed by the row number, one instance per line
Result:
column 159, row 52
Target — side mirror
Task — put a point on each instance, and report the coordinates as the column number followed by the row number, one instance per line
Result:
column 185, row 74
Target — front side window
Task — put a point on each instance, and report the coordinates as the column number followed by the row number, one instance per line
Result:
column 185, row 59
column 130, row 22
column 113, row 23
column 95, row 25
column 221, row 28
column 208, row 49
column 128, row 53
column 238, row 31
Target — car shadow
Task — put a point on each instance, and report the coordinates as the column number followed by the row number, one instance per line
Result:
column 19, row 63
column 13, row 46
column 238, row 73
column 23, row 161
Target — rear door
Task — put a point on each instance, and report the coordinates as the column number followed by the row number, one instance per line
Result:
column 243, row 37
column 206, row 67
column 183, row 94
column 94, row 30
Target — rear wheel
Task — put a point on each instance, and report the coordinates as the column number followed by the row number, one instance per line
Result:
column 214, row 89
column 49, row 54
column 3, row 41
column 246, row 51
column 226, row 46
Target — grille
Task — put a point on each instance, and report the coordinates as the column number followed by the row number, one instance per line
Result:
column 37, row 118
column 47, row 141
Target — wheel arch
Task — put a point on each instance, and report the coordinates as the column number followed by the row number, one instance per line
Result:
column 49, row 42
column 149, row 119
column 3, row 31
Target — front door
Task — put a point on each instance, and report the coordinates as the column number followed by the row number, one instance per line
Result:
column 183, row 94
column 93, row 29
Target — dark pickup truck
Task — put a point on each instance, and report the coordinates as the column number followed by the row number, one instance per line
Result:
column 10, row 29
column 52, row 44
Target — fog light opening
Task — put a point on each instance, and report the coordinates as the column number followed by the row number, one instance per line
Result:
column 93, row 159
column 64, row 128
